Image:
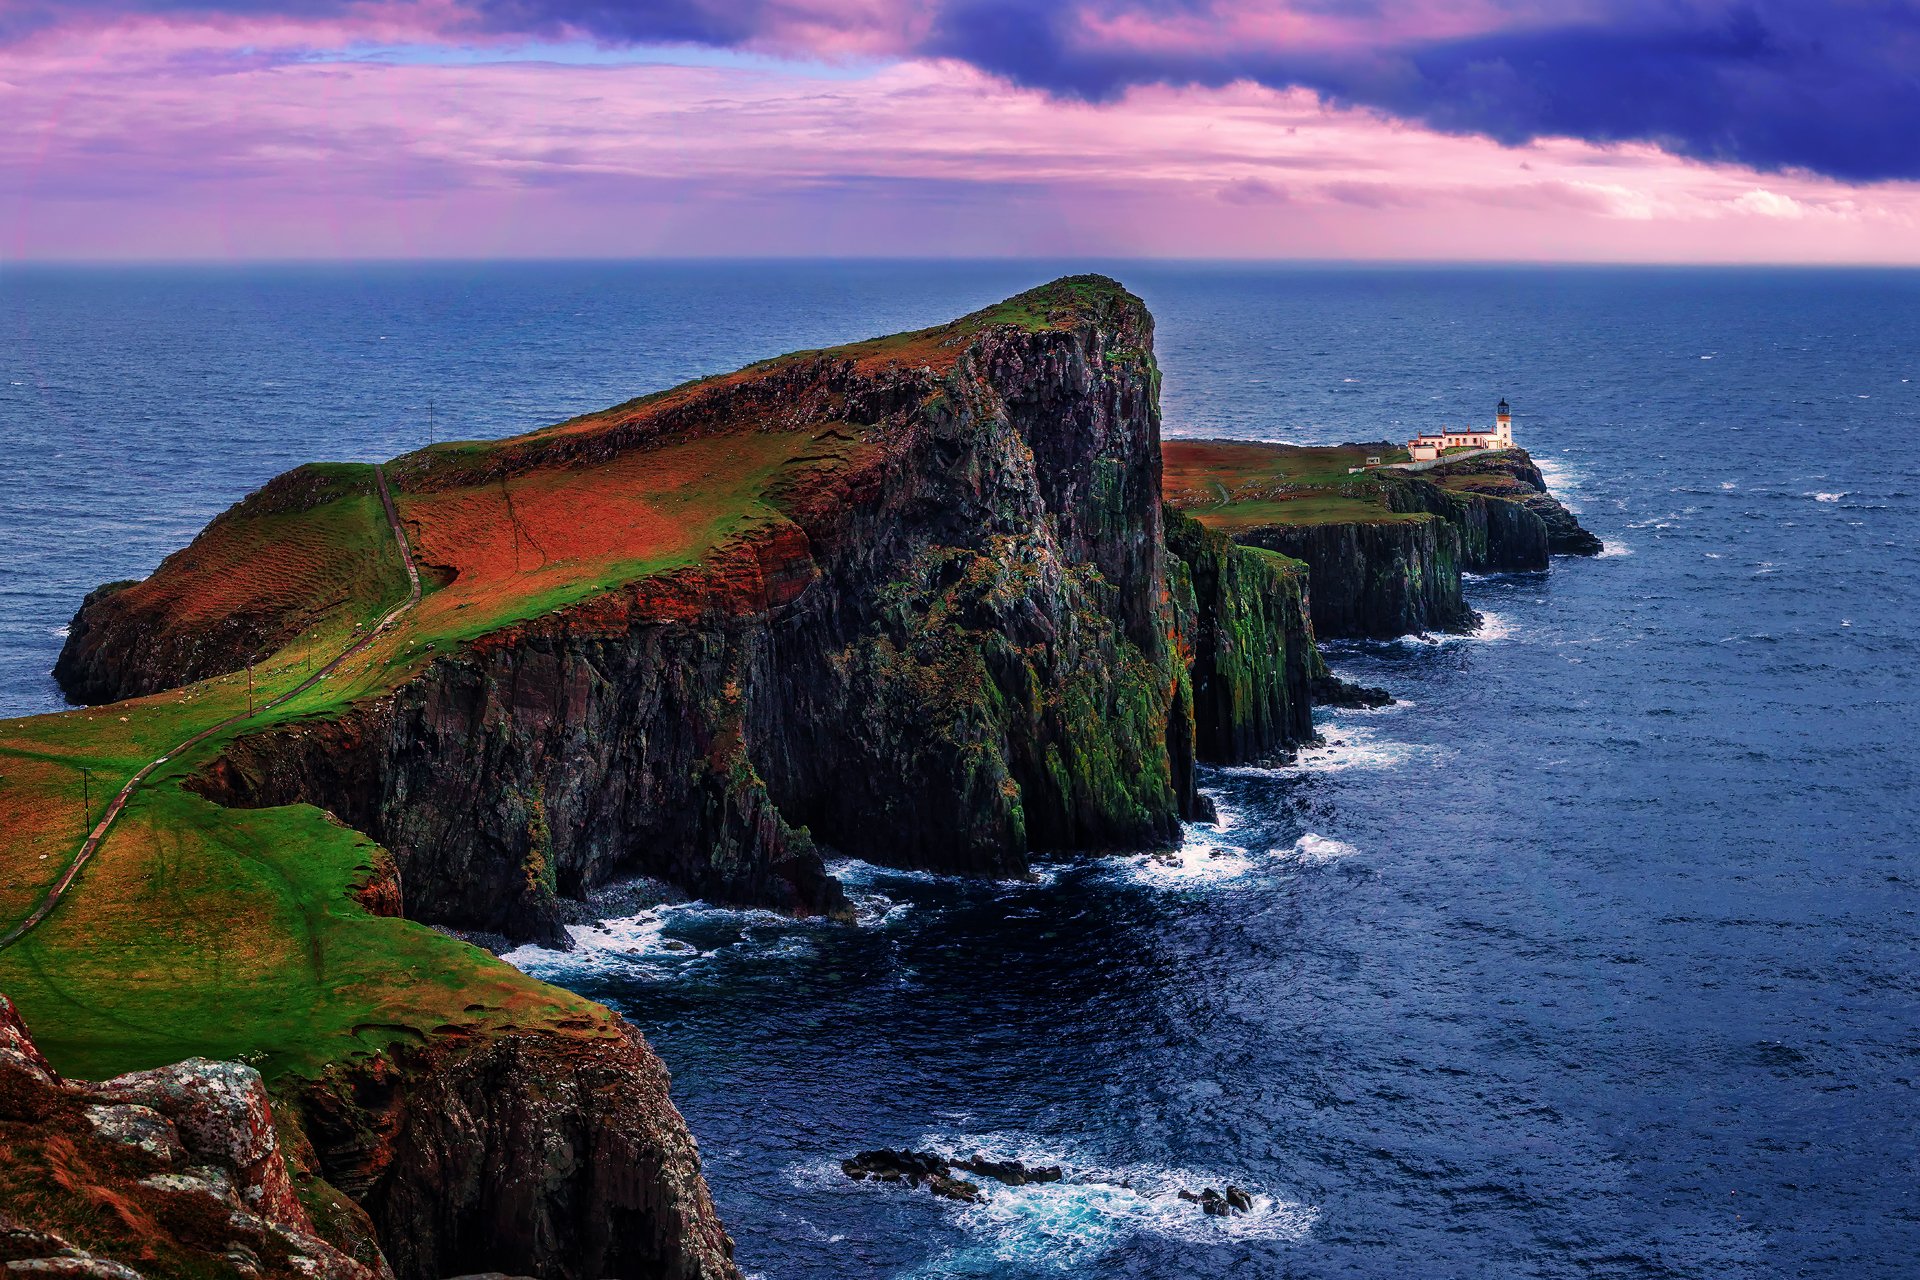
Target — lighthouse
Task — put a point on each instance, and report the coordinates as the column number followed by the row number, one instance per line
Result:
column 1502, row 426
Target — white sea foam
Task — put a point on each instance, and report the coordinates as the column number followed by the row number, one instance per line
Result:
column 1398, row 704
column 636, row 942
column 60, row 632
column 852, row 871
column 646, row 944
column 1560, row 478
column 1195, row 862
column 1345, row 747
column 1613, row 549
column 1312, row 850
column 1729, row 484
column 1828, row 497
column 1493, row 626
column 1068, row 1226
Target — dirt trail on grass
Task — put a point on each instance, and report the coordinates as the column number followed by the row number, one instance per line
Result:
column 98, row 835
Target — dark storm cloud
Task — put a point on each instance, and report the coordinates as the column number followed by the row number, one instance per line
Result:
column 1825, row 85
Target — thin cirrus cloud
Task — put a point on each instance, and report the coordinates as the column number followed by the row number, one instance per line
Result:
column 1452, row 128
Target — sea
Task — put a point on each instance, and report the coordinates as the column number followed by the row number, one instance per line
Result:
column 1597, row 954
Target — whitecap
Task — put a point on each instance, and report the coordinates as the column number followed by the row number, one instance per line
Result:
column 1612, row 549
column 1828, row 497
column 854, row 871
column 1312, row 850
column 1398, row 704
column 1728, row 484
column 1492, row 626
column 58, row 632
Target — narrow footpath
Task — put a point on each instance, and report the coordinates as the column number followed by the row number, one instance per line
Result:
column 98, row 835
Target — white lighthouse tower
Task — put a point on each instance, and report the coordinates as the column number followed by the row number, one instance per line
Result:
column 1502, row 426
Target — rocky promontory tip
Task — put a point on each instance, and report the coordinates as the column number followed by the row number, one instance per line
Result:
column 1384, row 545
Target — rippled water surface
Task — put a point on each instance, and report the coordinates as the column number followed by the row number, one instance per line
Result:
column 1594, row 957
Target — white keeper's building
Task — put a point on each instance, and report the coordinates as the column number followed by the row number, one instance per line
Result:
column 1429, row 445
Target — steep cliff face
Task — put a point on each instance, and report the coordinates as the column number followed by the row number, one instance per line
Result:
column 968, row 619
column 1253, row 659
column 1376, row 579
column 536, row 1153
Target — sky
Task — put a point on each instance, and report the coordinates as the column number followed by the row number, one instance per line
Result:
column 1530, row 130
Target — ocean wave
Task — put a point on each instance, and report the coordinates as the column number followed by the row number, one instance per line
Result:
column 1344, row 747
column 1613, row 549
column 1312, row 850
column 634, row 942
column 1398, row 704
column 1195, row 862
column 1493, row 626
column 1560, row 478
column 1827, row 497
column 1068, row 1226
column 665, row 941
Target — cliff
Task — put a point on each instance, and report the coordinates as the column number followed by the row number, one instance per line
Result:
column 701, row 636
column 941, row 589
column 1249, row 645
column 534, row 1152
column 1384, row 549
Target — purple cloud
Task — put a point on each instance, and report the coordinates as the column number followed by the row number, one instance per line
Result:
column 1827, row 86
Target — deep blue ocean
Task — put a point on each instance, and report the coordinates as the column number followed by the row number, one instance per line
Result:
column 1595, row 956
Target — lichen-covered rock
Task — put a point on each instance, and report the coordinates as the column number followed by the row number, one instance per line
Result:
column 1251, row 650
column 184, row 1156
column 1376, row 579
column 221, row 1112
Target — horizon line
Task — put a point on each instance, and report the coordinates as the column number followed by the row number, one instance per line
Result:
column 7, row 264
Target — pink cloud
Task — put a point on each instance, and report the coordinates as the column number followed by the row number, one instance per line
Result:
column 150, row 138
